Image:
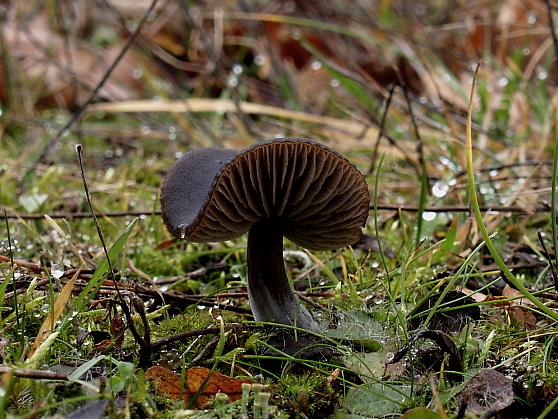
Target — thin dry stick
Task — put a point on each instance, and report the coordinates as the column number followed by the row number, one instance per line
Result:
column 384, row 207
column 44, row 156
column 552, row 28
column 144, row 342
column 549, row 259
column 214, row 57
column 88, row 198
column 195, row 333
column 380, row 132
column 59, row 14
column 38, row 374
column 415, row 130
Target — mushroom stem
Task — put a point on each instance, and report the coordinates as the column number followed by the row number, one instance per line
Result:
column 271, row 297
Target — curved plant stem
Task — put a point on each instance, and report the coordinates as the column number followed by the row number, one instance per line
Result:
column 478, row 215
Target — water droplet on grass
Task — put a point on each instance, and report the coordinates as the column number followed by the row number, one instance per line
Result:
column 440, row 189
column 237, row 69
column 503, row 81
column 532, row 17
column 56, row 270
column 542, row 75
column 428, row 215
column 137, row 73
column 233, row 81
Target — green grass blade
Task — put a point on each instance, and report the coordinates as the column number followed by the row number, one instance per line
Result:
column 100, row 274
column 553, row 201
column 478, row 215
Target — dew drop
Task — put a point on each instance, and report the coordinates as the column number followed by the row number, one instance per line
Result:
column 233, row 81
column 532, row 17
column 428, row 215
column 237, row 69
column 56, row 270
column 440, row 189
column 137, row 73
column 259, row 59
column 182, row 231
column 334, row 83
column 542, row 75
column 316, row 65
column 290, row 6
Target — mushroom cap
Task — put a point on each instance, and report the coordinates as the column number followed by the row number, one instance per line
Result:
column 318, row 196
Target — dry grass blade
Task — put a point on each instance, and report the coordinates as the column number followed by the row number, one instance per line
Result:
column 351, row 131
column 59, row 305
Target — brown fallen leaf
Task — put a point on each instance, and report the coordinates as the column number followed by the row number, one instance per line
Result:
column 520, row 299
column 485, row 391
column 452, row 322
column 169, row 383
column 524, row 317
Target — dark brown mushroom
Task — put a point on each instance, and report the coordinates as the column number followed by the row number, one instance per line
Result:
column 287, row 187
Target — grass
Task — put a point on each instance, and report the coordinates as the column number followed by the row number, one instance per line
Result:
column 428, row 261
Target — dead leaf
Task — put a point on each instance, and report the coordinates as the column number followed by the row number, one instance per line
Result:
column 169, row 383
column 524, row 317
column 431, row 358
column 117, row 330
column 452, row 321
column 50, row 321
column 520, row 299
column 486, row 390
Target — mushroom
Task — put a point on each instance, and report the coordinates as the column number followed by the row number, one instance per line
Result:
column 289, row 187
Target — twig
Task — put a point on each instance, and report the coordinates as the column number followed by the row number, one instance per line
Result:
column 549, row 259
column 43, row 157
column 194, row 274
column 214, row 59
column 381, row 130
column 384, row 207
column 420, row 152
column 552, row 28
column 38, row 374
column 195, row 333
column 31, row 266
column 144, row 341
